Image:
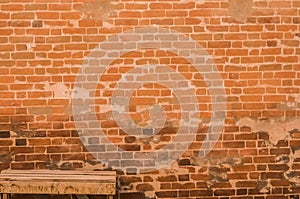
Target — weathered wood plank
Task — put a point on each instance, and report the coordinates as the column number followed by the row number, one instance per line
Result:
column 58, row 182
column 19, row 187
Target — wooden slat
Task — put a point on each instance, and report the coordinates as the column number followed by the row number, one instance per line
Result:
column 57, row 176
column 64, row 172
column 101, row 179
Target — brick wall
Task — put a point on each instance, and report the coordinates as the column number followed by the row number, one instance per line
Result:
column 253, row 47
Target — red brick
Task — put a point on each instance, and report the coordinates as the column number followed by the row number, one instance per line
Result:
column 23, row 165
column 58, row 149
column 246, row 183
column 12, row 7
column 61, row 7
column 23, row 55
column 39, row 142
column 22, row 15
column 22, row 149
column 47, row 15
column 38, row 157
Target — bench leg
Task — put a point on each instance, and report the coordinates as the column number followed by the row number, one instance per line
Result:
column 110, row 197
column 5, row 196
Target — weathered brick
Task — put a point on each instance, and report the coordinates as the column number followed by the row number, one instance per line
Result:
column 23, row 165
column 224, row 192
column 145, row 187
column 197, row 193
column 170, row 178
column 167, row 194
column 4, row 134
column 58, row 149
column 21, row 142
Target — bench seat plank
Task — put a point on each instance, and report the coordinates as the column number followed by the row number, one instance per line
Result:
column 58, row 182
column 18, row 187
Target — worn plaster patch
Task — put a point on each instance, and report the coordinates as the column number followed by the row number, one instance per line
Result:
column 59, row 165
column 291, row 175
column 264, row 186
column 98, row 9
column 60, row 90
column 288, row 105
column 225, row 162
column 297, row 98
column 277, row 128
column 240, row 10
column 93, row 165
column 218, row 167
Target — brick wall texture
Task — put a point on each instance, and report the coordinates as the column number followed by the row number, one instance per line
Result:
column 253, row 44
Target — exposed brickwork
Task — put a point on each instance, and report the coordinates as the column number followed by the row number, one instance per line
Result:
column 255, row 46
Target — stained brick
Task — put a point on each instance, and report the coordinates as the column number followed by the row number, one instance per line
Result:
column 4, row 134
column 135, row 195
column 21, row 142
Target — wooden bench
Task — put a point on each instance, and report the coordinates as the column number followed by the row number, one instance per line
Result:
column 80, row 183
